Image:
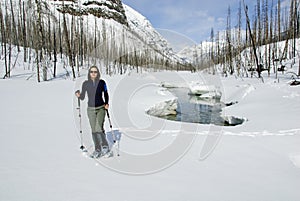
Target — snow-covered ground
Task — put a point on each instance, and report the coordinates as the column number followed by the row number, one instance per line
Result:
column 160, row 160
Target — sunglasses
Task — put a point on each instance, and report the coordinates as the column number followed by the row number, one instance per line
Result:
column 94, row 72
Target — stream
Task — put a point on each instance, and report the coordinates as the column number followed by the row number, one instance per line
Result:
column 194, row 109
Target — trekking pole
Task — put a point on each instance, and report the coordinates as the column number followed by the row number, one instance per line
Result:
column 113, row 134
column 82, row 147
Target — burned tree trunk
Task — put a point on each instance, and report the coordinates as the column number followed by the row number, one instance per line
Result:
column 252, row 41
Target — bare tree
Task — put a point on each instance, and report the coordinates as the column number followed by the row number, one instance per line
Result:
column 68, row 44
column 279, row 19
column 259, row 23
column 60, row 37
column 252, row 40
column 3, row 40
column 14, row 26
column 228, row 39
column 24, row 33
column 239, row 39
column 266, row 40
column 40, row 39
column 54, row 50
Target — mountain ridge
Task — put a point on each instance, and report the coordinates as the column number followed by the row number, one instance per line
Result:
column 107, row 9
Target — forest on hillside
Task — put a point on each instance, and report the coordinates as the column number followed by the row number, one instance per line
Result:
column 254, row 44
column 48, row 33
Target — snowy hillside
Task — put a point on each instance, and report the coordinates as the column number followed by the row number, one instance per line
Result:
column 202, row 50
column 106, row 33
column 143, row 28
column 191, row 53
column 125, row 15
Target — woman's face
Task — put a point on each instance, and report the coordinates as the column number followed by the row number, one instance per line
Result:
column 93, row 73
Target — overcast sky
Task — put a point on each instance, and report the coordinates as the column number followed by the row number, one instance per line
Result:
column 193, row 18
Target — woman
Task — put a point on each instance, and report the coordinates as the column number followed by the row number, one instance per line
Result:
column 95, row 89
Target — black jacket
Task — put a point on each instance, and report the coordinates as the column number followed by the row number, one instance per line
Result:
column 95, row 90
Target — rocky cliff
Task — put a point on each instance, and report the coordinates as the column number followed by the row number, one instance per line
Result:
column 107, row 9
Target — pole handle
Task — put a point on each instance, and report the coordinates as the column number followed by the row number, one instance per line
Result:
column 78, row 91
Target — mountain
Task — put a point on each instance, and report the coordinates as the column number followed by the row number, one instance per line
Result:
column 139, row 26
column 107, row 33
column 196, row 52
column 143, row 28
column 131, row 28
column 203, row 49
column 107, row 9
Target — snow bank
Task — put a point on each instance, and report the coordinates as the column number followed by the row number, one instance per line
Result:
column 212, row 95
column 168, row 85
column 204, row 90
column 197, row 88
column 164, row 108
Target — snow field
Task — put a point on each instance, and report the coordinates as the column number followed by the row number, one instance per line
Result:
column 41, row 159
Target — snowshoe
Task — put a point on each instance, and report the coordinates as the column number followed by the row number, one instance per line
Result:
column 96, row 154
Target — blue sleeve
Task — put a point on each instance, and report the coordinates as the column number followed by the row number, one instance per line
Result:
column 106, row 96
